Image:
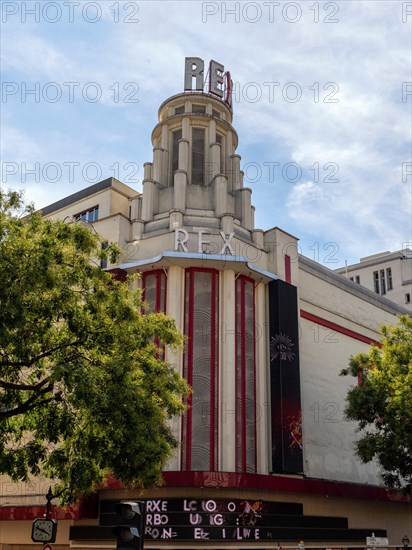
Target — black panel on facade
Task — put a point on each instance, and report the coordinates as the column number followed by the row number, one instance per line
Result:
column 285, row 378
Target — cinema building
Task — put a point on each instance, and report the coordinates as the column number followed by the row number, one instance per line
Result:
column 266, row 456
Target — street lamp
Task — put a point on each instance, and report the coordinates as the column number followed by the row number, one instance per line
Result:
column 405, row 542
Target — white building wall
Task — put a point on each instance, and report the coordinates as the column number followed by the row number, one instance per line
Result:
column 325, row 349
column 400, row 264
column 328, row 438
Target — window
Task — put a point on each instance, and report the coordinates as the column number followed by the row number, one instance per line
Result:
column 389, row 278
column 90, row 216
column 103, row 261
column 200, row 369
column 376, row 281
column 199, row 109
column 351, row 278
column 357, row 279
column 198, row 156
column 407, row 298
column 176, row 136
column 180, row 110
column 245, row 376
column 215, row 113
column 383, row 285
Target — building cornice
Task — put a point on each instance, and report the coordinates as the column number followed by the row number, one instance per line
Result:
column 349, row 286
column 376, row 260
column 109, row 183
column 191, row 259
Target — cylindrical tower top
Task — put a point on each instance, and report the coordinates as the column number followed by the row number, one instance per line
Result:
column 183, row 103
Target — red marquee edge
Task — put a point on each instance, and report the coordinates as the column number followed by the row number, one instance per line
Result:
column 281, row 484
column 88, row 508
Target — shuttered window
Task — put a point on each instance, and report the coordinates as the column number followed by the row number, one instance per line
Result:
column 198, row 156
column 175, row 150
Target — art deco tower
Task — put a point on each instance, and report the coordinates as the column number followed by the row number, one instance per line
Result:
column 203, row 262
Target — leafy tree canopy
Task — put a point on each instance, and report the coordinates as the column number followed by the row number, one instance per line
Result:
column 382, row 403
column 84, row 392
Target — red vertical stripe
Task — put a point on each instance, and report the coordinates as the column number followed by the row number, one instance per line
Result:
column 288, row 277
column 158, row 283
column 254, row 371
column 243, row 371
column 213, row 396
column 237, row 381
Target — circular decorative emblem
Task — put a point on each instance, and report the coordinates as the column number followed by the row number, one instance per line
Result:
column 281, row 346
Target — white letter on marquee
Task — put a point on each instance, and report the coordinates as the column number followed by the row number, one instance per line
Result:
column 183, row 241
column 200, row 242
column 227, row 244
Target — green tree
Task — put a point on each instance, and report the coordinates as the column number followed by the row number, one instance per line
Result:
column 382, row 403
column 84, row 392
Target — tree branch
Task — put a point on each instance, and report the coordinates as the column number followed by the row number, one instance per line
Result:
column 31, row 362
column 29, row 404
column 30, row 387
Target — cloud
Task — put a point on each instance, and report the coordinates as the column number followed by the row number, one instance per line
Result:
column 361, row 60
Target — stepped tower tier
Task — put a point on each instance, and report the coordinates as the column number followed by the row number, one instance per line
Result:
column 195, row 177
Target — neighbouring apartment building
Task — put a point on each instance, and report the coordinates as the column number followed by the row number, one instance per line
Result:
column 266, row 455
column 387, row 273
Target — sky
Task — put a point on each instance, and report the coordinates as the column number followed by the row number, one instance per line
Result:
column 322, row 105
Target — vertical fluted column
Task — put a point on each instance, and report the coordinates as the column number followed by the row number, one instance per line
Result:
column 227, row 223
column 136, row 218
column 148, row 200
column 235, row 173
column 148, row 170
column 258, row 238
column 212, row 131
column 213, row 166
column 180, row 176
column 165, row 157
column 246, row 206
column 227, row 413
column 184, row 155
column 185, row 128
column 157, row 164
column 220, row 195
column 148, row 192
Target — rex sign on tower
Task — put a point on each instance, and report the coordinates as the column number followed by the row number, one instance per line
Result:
column 217, row 82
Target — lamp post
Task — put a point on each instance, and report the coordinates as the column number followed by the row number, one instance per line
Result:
column 405, row 542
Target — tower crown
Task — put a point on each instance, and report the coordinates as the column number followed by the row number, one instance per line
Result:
column 195, row 178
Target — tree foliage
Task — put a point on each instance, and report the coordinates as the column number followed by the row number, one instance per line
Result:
column 382, row 403
column 84, row 392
